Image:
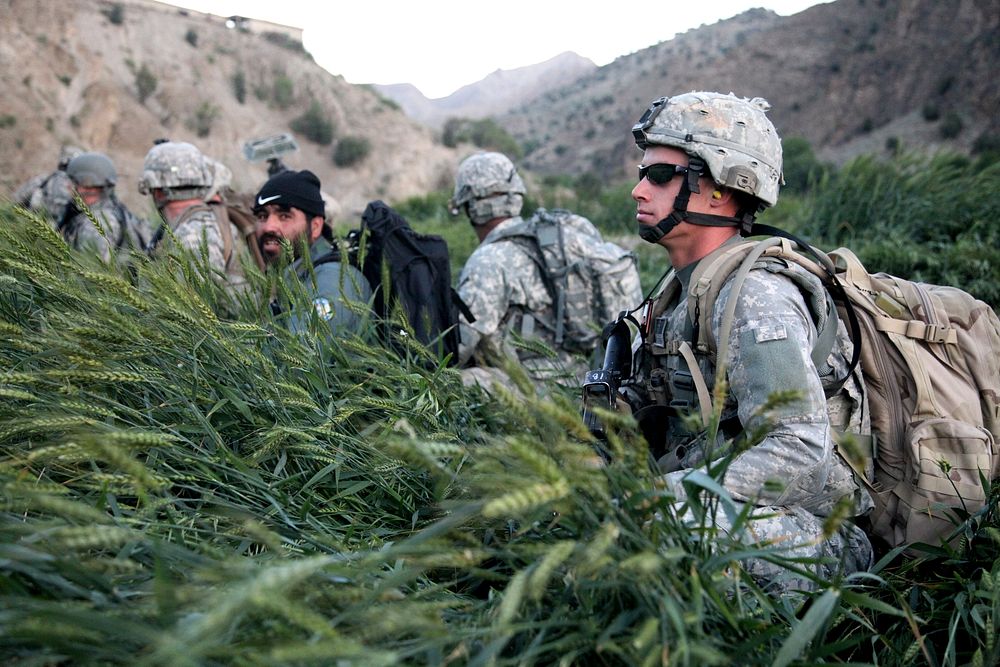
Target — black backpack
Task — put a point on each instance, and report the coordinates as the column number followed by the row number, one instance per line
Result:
column 418, row 270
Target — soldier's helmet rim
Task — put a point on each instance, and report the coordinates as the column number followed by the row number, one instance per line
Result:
column 178, row 169
column 95, row 170
column 732, row 135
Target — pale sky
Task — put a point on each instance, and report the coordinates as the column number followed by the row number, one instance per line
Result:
column 442, row 45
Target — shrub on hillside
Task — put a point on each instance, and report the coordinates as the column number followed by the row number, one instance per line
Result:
column 145, row 82
column 204, row 117
column 801, row 167
column 485, row 133
column 314, row 124
column 191, row 37
column 282, row 91
column 951, row 125
column 351, row 150
column 115, row 13
column 240, row 86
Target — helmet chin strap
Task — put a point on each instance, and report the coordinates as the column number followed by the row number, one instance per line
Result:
column 696, row 166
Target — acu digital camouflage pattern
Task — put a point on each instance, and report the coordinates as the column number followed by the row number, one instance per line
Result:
column 794, row 466
column 50, row 194
column 487, row 186
column 502, row 285
column 121, row 229
column 179, row 169
column 732, row 135
column 199, row 229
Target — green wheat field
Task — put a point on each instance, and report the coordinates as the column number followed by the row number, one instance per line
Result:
column 184, row 482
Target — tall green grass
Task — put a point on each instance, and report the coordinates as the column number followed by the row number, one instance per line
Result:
column 186, row 482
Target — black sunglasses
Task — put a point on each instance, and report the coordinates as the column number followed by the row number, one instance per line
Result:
column 661, row 173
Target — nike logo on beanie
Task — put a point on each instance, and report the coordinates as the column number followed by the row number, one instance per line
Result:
column 263, row 200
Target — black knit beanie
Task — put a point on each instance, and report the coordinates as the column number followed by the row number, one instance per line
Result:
column 292, row 188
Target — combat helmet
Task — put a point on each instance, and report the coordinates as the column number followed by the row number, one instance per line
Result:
column 487, row 186
column 67, row 153
column 727, row 138
column 178, row 169
column 92, row 170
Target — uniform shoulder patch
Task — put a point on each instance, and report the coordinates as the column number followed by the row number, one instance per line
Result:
column 323, row 308
column 768, row 332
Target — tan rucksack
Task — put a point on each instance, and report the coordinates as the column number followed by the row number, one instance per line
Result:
column 930, row 357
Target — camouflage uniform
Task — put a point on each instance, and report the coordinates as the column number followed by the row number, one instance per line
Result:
column 502, row 285
column 122, row 229
column 95, row 174
column 329, row 288
column 177, row 171
column 790, row 473
column 503, row 281
column 50, row 194
column 793, row 474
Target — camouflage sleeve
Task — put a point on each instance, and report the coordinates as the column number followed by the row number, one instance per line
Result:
column 336, row 288
column 85, row 236
column 485, row 288
column 770, row 352
column 56, row 195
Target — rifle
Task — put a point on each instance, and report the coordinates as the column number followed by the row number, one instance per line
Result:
column 600, row 386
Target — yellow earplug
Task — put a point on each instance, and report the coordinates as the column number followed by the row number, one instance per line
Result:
column 717, row 195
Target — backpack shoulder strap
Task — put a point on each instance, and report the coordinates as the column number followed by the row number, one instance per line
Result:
column 222, row 220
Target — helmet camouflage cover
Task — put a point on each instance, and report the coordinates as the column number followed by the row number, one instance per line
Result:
column 67, row 153
column 177, row 168
column 94, row 170
column 739, row 145
column 488, row 186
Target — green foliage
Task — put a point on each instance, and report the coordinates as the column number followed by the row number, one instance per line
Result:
column 485, row 133
column 282, row 91
column 801, row 167
column 7, row 120
column 115, row 13
column 145, row 82
column 351, row 150
column 184, row 479
column 929, row 219
column 931, row 112
column 204, row 117
column 314, row 124
column 191, row 37
column 240, row 86
column 951, row 125
column 65, row 79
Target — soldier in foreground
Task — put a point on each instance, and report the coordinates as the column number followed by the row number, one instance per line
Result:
column 290, row 211
column 519, row 283
column 50, row 194
column 710, row 163
column 179, row 179
column 94, row 178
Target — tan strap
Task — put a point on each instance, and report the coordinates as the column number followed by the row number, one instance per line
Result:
column 700, row 386
column 222, row 219
column 929, row 333
column 704, row 287
column 854, row 272
column 730, row 312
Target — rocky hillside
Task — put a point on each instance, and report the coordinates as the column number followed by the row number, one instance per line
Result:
column 496, row 94
column 115, row 76
column 850, row 76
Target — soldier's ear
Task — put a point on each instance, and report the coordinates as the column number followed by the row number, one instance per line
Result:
column 315, row 227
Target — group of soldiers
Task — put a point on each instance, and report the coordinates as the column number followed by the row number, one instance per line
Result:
column 710, row 163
